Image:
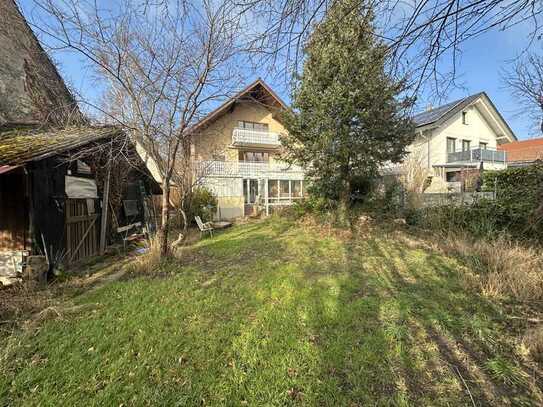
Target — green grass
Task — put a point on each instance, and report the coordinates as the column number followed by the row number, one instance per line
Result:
column 275, row 314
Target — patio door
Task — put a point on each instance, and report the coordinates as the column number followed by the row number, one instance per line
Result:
column 250, row 194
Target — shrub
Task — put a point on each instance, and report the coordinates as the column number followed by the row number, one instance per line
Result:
column 516, row 211
column 202, row 203
column 482, row 219
column 519, row 199
column 385, row 199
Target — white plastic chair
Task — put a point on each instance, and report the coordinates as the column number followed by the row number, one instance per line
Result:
column 204, row 227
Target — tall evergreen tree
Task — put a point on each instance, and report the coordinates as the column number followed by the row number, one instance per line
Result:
column 348, row 116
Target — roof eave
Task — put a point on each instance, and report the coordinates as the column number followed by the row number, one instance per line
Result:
column 222, row 108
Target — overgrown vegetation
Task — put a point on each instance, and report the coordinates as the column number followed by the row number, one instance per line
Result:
column 500, row 239
column 516, row 212
column 202, row 203
column 279, row 313
column 519, row 199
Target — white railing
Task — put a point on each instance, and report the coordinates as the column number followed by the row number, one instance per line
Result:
column 477, row 155
column 246, row 169
column 254, row 137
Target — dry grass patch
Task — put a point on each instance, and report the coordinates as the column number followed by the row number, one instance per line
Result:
column 507, row 268
column 533, row 341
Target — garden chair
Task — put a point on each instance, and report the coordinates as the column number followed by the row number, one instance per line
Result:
column 204, row 227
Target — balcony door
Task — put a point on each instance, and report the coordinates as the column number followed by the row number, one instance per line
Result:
column 250, row 194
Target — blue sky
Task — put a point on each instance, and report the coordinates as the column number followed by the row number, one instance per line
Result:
column 480, row 67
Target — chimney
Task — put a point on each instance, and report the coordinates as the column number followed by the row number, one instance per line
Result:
column 429, row 107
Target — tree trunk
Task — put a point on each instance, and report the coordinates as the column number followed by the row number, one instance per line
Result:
column 344, row 217
column 165, row 218
column 185, row 220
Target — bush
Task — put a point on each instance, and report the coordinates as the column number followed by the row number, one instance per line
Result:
column 519, row 199
column 516, row 211
column 482, row 219
column 311, row 205
column 202, row 203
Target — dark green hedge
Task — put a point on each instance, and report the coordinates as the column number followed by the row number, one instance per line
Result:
column 519, row 189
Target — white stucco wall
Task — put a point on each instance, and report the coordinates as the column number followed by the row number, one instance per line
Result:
column 476, row 130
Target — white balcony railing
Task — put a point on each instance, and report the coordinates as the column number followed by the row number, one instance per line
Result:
column 242, row 137
column 477, row 155
column 244, row 169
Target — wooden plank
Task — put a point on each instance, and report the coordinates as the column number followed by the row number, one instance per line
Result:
column 81, row 218
column 76, row 251
column 105, row 206
column 80, row 230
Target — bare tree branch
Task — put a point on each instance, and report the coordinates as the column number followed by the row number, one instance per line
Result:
column 162, row 65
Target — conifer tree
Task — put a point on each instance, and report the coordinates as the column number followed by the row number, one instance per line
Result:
column 348, row 115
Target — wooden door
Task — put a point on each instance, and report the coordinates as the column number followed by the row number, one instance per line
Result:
column 81, row 229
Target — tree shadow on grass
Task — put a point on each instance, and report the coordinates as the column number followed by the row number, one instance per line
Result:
column 448, row 312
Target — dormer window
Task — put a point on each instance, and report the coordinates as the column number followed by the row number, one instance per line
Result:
column 464, row 117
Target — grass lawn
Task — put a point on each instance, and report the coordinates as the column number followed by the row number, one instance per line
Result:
column 273, row 313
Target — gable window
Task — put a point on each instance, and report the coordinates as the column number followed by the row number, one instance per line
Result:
column 254, row 156
column 465, row 145
column 451, row 145
column 464, row 117
column 242, row 124
column 483, row 146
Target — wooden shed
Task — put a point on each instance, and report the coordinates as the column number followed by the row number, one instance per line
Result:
column 50, row 194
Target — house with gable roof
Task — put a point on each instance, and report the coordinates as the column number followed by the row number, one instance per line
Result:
column 235, row 150
column 460, row 136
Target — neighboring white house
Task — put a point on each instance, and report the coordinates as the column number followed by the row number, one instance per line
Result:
column 459, row 136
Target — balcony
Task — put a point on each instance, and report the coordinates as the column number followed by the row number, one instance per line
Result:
column 244, row 169
column 477, row 155
column 248, row 137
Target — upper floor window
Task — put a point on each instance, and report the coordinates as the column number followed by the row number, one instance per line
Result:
column 242, row 124
column 464, row 117
column 482, row 145
column 451, row 145
column 254, row 156
column 465, row 145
